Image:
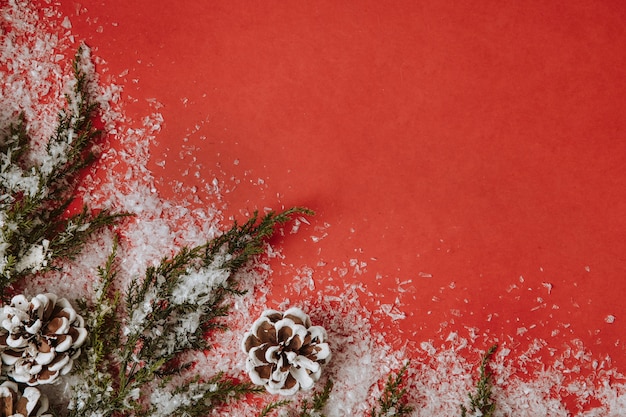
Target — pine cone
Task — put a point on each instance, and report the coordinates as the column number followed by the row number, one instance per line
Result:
column 29, row 403
column 285, row 353
column 40, row 339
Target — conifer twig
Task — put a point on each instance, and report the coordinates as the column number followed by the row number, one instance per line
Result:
column 168, row 312
column 273, row 406
column 481, row 401
column 315, row 407
column 392, row 402
column 36, row 232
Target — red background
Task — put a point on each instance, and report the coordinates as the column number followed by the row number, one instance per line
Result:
column 476, row 141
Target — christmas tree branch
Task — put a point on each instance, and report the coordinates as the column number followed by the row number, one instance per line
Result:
column 481, row 401
column 315, row 407
column 167, row 313
column 35, row 229
column 196, row 398
column 273, row 406
column 242, row 242
column 392, row 402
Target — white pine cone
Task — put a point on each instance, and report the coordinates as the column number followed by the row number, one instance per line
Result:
column 40, row 338
column 27, row 403
column 285, row 353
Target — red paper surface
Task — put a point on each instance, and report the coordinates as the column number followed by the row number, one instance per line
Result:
column 473, row 151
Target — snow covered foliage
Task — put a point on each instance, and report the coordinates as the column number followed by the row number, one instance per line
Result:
column 171, row 311
column 37, row 188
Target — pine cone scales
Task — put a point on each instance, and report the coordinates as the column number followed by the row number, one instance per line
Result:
column 29, row 403
column 39, row 339
column 285, row 353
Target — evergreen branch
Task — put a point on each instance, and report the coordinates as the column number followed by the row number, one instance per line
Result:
column 70, row 147
column 168, row 312
column 196, row 398
column 318, row 402
column 14, row 145
column 35, row 230
column 75, row 231
column 161, row 300
column 309, row 408
column 481, row 401
column 243, row 242
column 273, row 406
column 392, row 402
column 171, row 292
column 96, row 364
column 104, row 328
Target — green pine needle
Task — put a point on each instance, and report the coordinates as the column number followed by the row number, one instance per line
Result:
column 36, row 232
column 146, row 346
column 273, row 406
column 248, row 239
column 199, row 398
column 393, row 402
column 481, row 400
column 315, row 407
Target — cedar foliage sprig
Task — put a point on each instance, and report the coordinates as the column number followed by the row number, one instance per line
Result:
column 481, row 401
column 35, row 229
column 273, row 406
column 98, row 364
column 313, row 407
column 392, row 402
column 197, row 398
column 163, row 317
